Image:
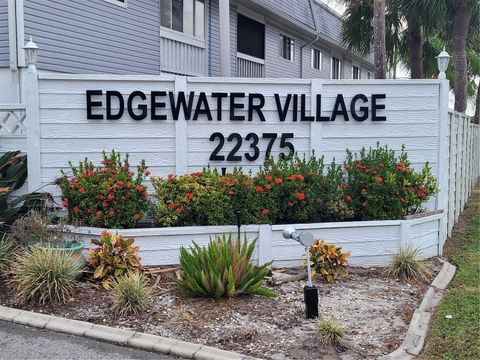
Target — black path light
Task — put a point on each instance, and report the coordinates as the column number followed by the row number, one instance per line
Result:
column 310, row 292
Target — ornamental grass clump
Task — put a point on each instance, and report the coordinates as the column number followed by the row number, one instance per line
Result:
column 329, row 332
column 42, row 275
column 111, row 195
column 222, row 269
column 408, row 266
column 113, row 257
column 131, row 293
column 6, row 252
column 328, row 260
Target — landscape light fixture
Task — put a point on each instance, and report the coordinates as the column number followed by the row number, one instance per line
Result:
column 310, row 292
column 31, row 52
column 442, row 60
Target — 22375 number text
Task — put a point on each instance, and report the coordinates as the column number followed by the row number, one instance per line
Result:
column 253, row 140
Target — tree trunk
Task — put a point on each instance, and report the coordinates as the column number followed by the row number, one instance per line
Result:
column 415, row 46
column 461, row 21
column 476, row 118
column 379, row 50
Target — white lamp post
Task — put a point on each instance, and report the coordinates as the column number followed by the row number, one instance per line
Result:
column 31, row 52
column 442, row 60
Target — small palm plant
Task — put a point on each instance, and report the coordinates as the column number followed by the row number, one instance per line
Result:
column 408, row 266
column 222, row 268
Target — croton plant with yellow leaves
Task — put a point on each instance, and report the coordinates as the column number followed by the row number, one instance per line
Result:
column 328, row 260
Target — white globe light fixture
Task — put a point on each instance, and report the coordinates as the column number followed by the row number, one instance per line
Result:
column 442, row 60
column 31, row 53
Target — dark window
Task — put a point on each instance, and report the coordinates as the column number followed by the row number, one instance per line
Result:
column 186, row 16
column 336, row 68
column 356, row 72
column 316, row 59
column 286, row 47
column 250, row 37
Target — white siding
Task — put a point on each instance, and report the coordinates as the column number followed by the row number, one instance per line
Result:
column 4, row 49
column 95, row 36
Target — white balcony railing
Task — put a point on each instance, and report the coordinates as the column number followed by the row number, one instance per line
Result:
column 180, row 54
column 250, row 67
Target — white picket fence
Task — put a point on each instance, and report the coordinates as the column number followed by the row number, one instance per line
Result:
column 463, row 164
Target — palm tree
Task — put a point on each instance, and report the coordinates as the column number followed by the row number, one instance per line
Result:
column 379, row 50
column 458, row 22
column 357, row 32
column 453, row 21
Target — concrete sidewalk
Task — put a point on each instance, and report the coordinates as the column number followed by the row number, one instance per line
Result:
column 18, row 342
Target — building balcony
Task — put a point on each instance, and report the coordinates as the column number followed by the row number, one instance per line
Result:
column 250, row 66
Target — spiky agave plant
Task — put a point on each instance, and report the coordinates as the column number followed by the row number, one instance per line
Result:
column 222, row 269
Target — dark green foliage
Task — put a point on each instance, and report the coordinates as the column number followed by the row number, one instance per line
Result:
column 222, row 269
column 13, row 173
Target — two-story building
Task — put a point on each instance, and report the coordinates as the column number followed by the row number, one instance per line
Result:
column 231, row 38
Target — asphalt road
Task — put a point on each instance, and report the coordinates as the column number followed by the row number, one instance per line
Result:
column 18, row 342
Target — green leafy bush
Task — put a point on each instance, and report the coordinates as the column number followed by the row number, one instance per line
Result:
column 329, row 332
column 303, row 189
column 328, row 260
column 43, row 275
column 380, row 185
column 408, row 266
column 222, row 268
column 131, row 293
column 110, row 195
column 194, row 199
column 114, row 257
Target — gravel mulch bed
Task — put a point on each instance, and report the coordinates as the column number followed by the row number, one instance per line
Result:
column 374, row 310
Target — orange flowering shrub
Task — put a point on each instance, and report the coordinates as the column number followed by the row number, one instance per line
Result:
column 290, row 190
column 303, row 189
column 378, row 185
column 110, row 195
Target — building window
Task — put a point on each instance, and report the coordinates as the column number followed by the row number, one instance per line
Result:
column 356, row 72
column 369, row 75
column 316, row 59
column 336, row 63
column 122, row 3
column 250, row 37
column 185, row 16
column 286, row 48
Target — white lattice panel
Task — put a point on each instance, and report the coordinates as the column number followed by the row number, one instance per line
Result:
column 12, row 120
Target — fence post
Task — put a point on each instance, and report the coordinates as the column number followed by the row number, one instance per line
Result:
column 316, row 131
column 442, row 198
column 264, row 244
column 32, row 102
column 181, row 133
